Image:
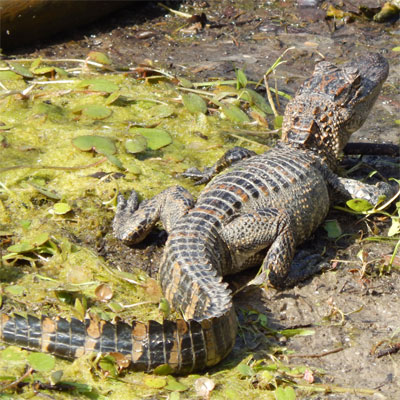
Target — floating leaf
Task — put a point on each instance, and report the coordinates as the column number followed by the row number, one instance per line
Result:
column 61, row 72
column 46, row 192
column 96, row 111
column 194, row 103
column 61, row 208
column 161, row 111
column 13, row 354
column 155, row 382
column 286, row 393
column 115, row 307
column 333, row 228
column 245, row 370
column 100, row 144
column 174, row 385
column 156, row 138
column 99, row 85
column 112, row 98
column 163, row 369
column 41, row 361
column 22, row 247
column 115, row 160
column 20, row 70
column 9, row 76
column 359, row 205
column 39, row 239
column 234, row 113
column 107, row 364
column 15, row 290
column 185, row 83
column 397, row 48
column 136, row 145
column 43, row 70
column 99, row 57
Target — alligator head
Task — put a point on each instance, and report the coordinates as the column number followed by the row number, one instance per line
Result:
column 333, row 104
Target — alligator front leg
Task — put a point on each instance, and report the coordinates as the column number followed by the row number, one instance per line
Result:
column 266, row 236
column 133, row 222
column 231, row 157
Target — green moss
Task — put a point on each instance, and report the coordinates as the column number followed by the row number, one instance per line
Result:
column 40, row 167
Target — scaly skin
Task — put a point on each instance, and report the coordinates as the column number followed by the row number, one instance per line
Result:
column 256, row 213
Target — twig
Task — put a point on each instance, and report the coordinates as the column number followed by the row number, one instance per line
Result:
column 16, row 382
column 95, row 164
column 316, row 355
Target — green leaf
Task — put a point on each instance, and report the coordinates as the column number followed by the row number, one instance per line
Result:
column 155, row 382
column 297, row 332
column 39, row 239
column 15, row 290
column 156, row 138
column 43, row 70
column 245, row 370
column 9, row 76
column 286, row 393
column 278, row 122
column 99, row 85
column 185, row 83
column 61, row 208
column 359, row 205
column 100, row 144
column 241, row 79
column 96, row 111
column 115, row 160
column 112, row 98
column 164, row 307
column 234, row 113
column 46, row 192
column 194, row 103
column 99, row 57
column 41, row 361
column 258, row 100
column 13, row 354
column 395, row 227
column 20, row 70
column 22, row 247
column 163, row 369
column 108, row 364
column 174, row 385
column 397, row 48
column 333, row 228
column 136, row 145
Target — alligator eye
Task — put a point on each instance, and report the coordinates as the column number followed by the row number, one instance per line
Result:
column 324, row 67
column 353, row 76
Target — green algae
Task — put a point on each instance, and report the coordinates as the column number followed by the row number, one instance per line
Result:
column 52, row 190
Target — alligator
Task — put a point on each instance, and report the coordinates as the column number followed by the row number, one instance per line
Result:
column 254, row 214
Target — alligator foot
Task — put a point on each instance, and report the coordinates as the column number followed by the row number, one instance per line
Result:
column 133, row 222
column 304, row 266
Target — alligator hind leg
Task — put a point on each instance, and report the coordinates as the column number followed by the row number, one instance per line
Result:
column 133, row 222
column 271, row 230
column 232, row 156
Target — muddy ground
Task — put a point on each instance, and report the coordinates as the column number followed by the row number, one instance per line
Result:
column 351, row 313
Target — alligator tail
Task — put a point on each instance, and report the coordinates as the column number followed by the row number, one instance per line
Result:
column 186, row 346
